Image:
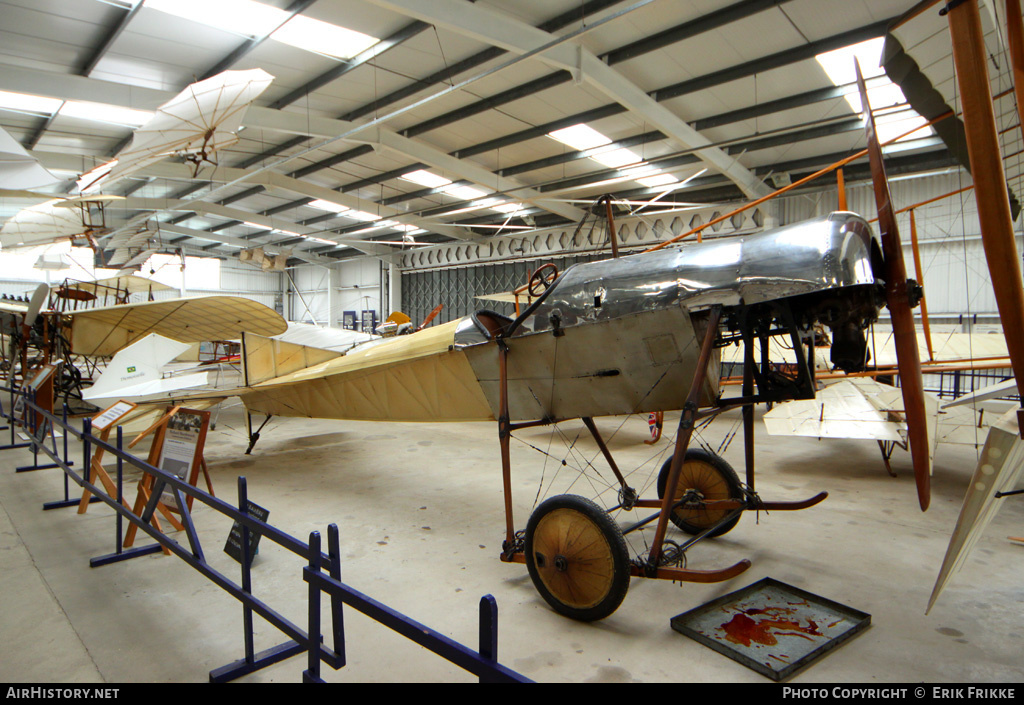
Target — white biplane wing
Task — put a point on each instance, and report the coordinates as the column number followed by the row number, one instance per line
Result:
column 848, row 409
column 856, row 408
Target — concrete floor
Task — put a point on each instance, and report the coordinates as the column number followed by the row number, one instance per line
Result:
column 420, row 512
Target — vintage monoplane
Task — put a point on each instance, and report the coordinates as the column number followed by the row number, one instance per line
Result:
column 640, row 333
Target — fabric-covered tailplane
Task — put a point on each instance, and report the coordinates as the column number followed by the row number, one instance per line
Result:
column 265, row 358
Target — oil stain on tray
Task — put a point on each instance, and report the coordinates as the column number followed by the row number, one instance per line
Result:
column 774, row 628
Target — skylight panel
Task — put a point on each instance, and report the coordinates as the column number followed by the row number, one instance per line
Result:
column 579, row 137
column 616, row 157
column 425, row 178
column 244, row 17
column 465, row 192
column 254, row 19
column 29, row 103
column 839, row 66
column 658, row 180
column 312, row 238
column 323, row 37
column 327, row 206
column 897, row 124
column 361, row 215
column 100, row 112
column 882, row 93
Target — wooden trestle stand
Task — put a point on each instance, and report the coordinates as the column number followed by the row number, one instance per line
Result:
column 656, row 564
column 104, row 422
column 179, row 437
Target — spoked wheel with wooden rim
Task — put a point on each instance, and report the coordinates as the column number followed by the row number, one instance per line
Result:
column 577, row 557
column 704, row 476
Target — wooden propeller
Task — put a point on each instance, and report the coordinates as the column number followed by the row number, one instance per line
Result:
column 897, row 295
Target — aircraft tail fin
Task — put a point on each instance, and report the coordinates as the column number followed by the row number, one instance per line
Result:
column 135, row 366
column 266, row 358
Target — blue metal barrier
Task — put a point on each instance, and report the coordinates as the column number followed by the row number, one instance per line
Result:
column 482, row 663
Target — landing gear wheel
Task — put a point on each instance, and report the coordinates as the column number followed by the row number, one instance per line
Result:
column 577, row 557
column 711, row 478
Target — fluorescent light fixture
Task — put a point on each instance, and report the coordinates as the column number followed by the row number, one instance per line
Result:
column 99, row 112
column 29, row 103
column 323, row 37
column 327, row 206
column 579, row 137
column 360, row 215
column 658, row 180
column 425, row 178
column 509, row 207
column 255, row 225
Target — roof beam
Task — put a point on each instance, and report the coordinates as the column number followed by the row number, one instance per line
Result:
column 244, row 244
column 111, row 37
column 499, row 29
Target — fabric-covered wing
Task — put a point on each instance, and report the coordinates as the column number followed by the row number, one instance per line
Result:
column 200, row 120
column 1000, row 469
column 964, row 426
column 104, row 331
column 40, row 224
column 992, row 391
column 127, row 283
column 841, row 410
column 18, row 168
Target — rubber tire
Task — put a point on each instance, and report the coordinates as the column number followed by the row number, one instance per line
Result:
column 725, row 473
column 616, row 557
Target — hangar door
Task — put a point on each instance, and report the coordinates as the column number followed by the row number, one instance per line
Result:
column 458, row 287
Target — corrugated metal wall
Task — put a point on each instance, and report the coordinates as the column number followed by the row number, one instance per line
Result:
column 322, row 293
column 458, row 287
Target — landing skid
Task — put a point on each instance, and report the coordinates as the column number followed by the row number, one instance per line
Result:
column 254, row 436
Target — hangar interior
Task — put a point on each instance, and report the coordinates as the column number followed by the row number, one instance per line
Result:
column 414, row 156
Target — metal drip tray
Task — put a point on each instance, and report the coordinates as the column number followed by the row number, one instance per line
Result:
column 771, row 627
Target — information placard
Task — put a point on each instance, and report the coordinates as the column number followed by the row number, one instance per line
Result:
column 234, row 545
column 106, row 418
